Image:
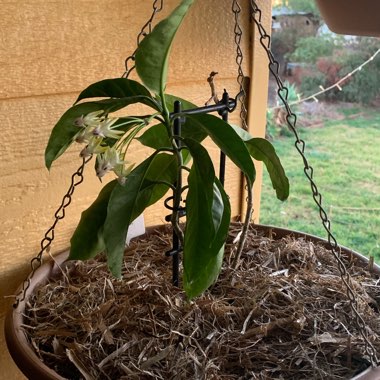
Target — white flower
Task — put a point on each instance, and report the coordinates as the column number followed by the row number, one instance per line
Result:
column 104, row 129
column 107, row 161
column 92, row 119
column 122, row 172
column 94, row 147
column 110, row 161
column 85, row 135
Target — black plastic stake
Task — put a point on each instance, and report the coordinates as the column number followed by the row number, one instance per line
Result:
column 175, row 251
column 224, row 114
column 225, row 106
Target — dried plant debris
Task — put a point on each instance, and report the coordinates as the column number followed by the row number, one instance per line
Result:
column 283, row 314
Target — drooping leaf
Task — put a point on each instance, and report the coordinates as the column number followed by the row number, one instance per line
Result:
column 221, row 220
column 202, row 258
column 116, row 88
column 119, row 215
column 153, row 52
column 262, row 150
column 225, row 137
column 207, row 220
column 65, row 130
column 129, row 200
column 243, row 134
column 87, row 240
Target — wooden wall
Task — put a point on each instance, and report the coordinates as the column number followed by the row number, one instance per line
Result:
column 49, row 52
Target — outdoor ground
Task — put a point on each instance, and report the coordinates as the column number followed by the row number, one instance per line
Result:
column 343, row 146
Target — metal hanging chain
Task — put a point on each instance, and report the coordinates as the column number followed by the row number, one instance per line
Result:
column 36, row 262
column 146, row 29
column 242, row 96
column 291, row 119
column 236, row 9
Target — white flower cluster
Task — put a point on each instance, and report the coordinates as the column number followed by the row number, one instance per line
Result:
column 94, row 128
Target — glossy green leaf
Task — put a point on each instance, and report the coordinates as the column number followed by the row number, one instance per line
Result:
column 207, row 220
column 115, row 88
column 87, row 240
column 65, row 130
column 262, row 150
column 153, row 52
column 203, row 258
column 206, row 269
column 120, row 215
column 188, row 128
column 129, row 200
column 171, row 99
column 162, row 168
column 243, row 134
column 156, row 137
column 221, row 220
column 225, row 137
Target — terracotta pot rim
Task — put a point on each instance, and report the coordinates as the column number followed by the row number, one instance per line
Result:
column 29, row 363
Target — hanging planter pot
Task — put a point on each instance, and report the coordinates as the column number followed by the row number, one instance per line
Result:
column 351, row 17
column 31, row 365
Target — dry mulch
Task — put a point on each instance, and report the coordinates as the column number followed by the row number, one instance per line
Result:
column 283, row 314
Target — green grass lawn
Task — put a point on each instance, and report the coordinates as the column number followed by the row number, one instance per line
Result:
column 345, row 156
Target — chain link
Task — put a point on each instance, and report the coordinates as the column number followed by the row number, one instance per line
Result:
column 300, row 145
column 146, row 29
column 236, row 9
column 36, row 262
column 242, row 96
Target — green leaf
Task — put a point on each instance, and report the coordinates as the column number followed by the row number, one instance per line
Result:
column 119, row 215
column 225, row 137
column 152, row 54
column 171, row 99
column 221, row 220
column 162, row 168
column 114, row 88
column 203, row 258
column 188, row 129
column 87, row 240
column 262, row 150
column 208, row 216
column 129, row 200
column 243, row 134
column 65, row 130
column 155, row 137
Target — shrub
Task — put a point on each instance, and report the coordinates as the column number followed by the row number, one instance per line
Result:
column 364, row 86
column 310, row 82
column 332, row 62
column 309, row 49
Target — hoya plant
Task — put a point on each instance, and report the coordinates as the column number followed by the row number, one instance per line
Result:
column 103, row 227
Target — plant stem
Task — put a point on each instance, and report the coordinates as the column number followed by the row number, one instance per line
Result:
column 247, row 221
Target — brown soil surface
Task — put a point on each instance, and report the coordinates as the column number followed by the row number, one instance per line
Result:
column 283, row 314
